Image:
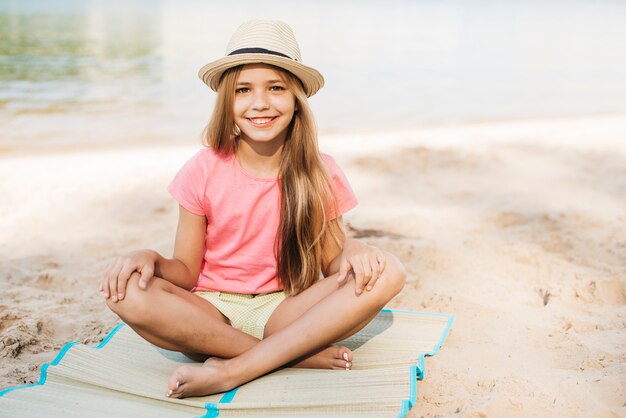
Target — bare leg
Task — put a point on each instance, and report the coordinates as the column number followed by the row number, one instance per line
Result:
column 175, row 319
column 331, row 357
column 324, row 323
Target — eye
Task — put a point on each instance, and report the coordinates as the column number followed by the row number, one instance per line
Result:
column 242, row 90
column 277, row 88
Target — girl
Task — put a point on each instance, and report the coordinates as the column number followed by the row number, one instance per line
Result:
column 260, row 220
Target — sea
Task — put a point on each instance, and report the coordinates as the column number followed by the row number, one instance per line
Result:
column 88, row 71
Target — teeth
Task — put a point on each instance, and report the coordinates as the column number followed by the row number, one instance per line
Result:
column 261, row 121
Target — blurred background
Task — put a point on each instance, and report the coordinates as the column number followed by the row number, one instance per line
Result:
column 109, row 72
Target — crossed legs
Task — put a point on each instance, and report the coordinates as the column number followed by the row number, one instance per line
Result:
column 300, row 330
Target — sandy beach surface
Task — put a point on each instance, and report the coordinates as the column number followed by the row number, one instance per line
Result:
column 518, row 228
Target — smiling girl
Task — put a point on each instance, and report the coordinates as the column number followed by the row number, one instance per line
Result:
column 262, row 275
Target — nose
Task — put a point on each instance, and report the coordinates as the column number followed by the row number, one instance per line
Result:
column 260, row 101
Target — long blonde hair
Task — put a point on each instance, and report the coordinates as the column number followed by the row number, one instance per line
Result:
column 306, row 190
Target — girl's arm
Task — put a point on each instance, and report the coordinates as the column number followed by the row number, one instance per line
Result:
column 347, row 256
column 182, row 269
column 331, row 249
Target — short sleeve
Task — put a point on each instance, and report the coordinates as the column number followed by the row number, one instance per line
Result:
column 189, row 186
column 343, row 194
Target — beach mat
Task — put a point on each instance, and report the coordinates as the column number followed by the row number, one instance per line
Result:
column 125, row 376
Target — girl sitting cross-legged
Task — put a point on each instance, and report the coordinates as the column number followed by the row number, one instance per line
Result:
column 262, row 274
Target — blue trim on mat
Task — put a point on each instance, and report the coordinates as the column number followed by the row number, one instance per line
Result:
column 229, row 396
column 442, row 339
column 407, row 404
column 404, row 409
column 418, row 371
column 413, row 396
column 11, row 389
column 111, row 334
column 44, row 368
column 415, row 312
column 421, row 366
column 213, row 409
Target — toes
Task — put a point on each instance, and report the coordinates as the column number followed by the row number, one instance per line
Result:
column 177, row 392
column 345, row 354
column 339, row 364
column 345, row 359
column 175, row 384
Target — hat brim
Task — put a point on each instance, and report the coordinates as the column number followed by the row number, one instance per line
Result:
column 311, row 79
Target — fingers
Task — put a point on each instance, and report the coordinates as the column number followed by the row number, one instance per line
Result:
column 362, row 275
column 378, row 266
column 116, row 278
column 382, row 261
column 127, row 270
column 375, row 275
column 363, row 270
column 367, row 267
column 109, row 284
column 344, row 269
column 147, row 272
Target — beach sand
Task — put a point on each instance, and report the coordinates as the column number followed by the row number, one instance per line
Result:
column 518, row 228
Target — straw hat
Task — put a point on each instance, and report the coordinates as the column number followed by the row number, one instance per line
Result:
column 267, row 41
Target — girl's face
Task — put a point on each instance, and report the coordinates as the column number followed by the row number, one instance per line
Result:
column 263, row 107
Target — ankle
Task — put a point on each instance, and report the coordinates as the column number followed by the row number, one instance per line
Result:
column 242, row 369
column 234, row 373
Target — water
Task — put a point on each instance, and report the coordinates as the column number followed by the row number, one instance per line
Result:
column 105, row 71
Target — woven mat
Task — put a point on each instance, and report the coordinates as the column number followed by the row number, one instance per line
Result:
column 125, row 376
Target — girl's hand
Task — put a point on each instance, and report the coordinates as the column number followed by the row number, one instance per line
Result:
column 366, row 263
column 116, row 277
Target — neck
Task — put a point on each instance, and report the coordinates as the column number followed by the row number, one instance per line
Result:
column 260, row 159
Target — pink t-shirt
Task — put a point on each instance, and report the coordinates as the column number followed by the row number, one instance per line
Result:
column 243, row 213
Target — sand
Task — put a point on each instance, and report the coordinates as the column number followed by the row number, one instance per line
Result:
column 518, row 228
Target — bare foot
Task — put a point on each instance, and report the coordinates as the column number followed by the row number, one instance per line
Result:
column 332, row 357
column 212, row 377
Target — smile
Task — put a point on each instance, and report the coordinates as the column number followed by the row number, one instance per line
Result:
column 262, row 122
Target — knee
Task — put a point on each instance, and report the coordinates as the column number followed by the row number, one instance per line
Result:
column 394, row 274
column 133, row 307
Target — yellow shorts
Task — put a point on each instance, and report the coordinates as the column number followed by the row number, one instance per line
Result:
column 247, row 313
